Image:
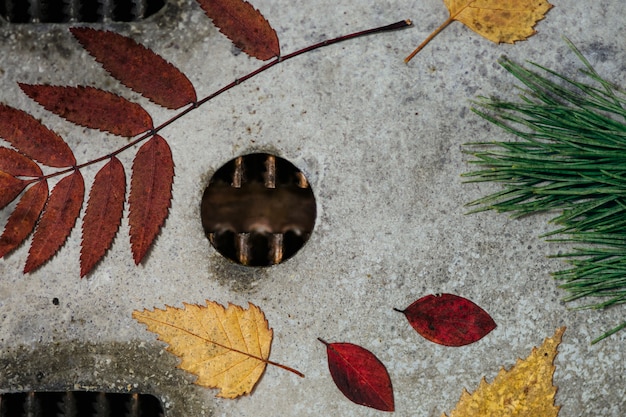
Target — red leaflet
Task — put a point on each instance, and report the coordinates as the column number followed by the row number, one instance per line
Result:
column 18, row 165
column 92, row 107
column 22, row 220
column 57, row 220
column 103, row 215
column 150, row 194
column 32, row 138
column 138, row 68
column 244, row 26
column 359, row 375
column 11, row 187
column 448, row 319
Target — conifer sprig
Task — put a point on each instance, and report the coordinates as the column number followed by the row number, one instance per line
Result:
column 569, row 157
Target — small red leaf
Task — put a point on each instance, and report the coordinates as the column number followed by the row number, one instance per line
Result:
column 57, row 220
column 92, row 108
column 244, row 25
column 150, row 194
column 32, row 138
column 23, row 219
column 103, row 215
column 360, row 375
column 11, row 187
column 448, row 319
column 137, row 67
column 17, row 164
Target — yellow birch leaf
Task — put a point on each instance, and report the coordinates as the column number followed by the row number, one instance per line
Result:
column 526, row 390
column 226, row 348
column 499, row 21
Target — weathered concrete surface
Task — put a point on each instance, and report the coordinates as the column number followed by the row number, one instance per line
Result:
column 382, row 145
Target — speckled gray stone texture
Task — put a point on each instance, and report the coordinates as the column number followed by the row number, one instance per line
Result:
column 382, row 145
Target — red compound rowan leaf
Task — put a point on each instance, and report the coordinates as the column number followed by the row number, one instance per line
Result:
column 244, row 25
column 33, row 139
column 23, row 219
column 150, row 194
column 92, row 107
column 360, row 375
column 57, row 220
column 448, row 319
column 137, row 67
column 11, row 187
column 17, row 164
column 103, row 215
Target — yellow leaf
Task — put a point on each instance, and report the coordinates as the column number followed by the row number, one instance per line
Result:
column 497, row 20
column 524, row 391
column 226, row 348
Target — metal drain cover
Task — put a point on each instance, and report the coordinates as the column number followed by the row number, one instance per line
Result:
column 86, row 11
column 258, row 210
column 79, row 404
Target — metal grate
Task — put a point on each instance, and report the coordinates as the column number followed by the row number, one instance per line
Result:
column 258, row 210
column 79, row 404
column 87, row 11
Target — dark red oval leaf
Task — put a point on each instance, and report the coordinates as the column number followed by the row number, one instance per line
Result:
column 17, row 164
column 11, row 187
column 103, row 215
column 360, row 375
column 92, row 108
column 23, row 219
column 57, row 220
column 244, row 25
column 448, row 319
column 150, row 194
column 137, row 67
column 32, row 138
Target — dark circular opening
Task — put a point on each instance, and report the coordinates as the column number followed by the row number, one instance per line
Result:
column 258, row 210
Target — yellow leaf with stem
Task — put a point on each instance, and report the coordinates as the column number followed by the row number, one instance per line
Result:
column 499, row 21
column 526, row 390
column 226, row 348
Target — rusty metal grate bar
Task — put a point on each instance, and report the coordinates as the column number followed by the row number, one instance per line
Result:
column 87, row 11
column 79, row 404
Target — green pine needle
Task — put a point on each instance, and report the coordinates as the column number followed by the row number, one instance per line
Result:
column 570, row 156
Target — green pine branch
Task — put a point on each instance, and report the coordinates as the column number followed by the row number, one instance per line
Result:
column 569, row 157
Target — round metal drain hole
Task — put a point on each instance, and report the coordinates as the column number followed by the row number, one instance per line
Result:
column 86, row 11
column 258, row 210
column 79, row 404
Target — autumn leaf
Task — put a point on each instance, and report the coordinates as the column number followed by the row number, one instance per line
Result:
column 244, row 26
column 103, row 215
column 360, row 375
column 92, row 108
column 23, row 219
column 150, row 194
column 497, row 20
column 137, row 67
column 11, row 187
column 526, row 390
column 17, row 164
column 57, row 220
column 33, row 139
column 226, row 348
column 448, row 319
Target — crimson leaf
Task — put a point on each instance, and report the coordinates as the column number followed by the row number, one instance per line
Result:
column 57, row 220
column 137, row 67
column 150, row 194
column 92, row 107
column 448, row 319
column 33, row 139
column 103, row 215
column 360, row 375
